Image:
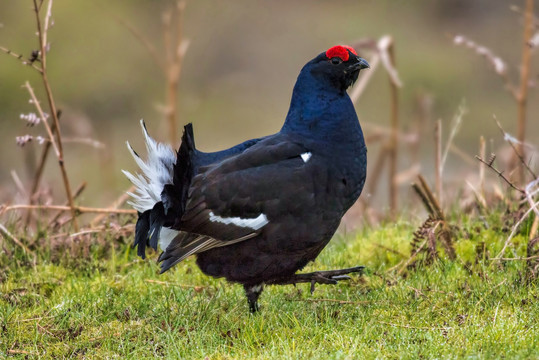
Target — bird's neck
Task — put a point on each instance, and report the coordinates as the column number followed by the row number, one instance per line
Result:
column 323, row 114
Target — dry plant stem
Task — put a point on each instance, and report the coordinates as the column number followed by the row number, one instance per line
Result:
column 78, row 209
column 196, row 287
column 19, row 352
column 394, row 139
column 438, row 158
column 378, row 167
column 21, row 59
column 424, row 198
column 482, row 154
column 340, row 302
column 517, row 153
column 175, row 51
column 414, row 327
column 461, row 154
column 517, row 259
column 5, row 232
column 522, row 97
column 530, row 193
column 534, row 228
column 361, row 85
column 409, row 261
column 513, row 232
column 43, row 118
column 78, row 191
column 500, row 174
column 146, row 42
column 42, row 34
column 116, row 204
column 431, row 198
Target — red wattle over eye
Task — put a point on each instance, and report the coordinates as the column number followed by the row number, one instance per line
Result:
column 340, row 51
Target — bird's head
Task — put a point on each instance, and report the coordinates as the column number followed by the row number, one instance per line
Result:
column 338, row 67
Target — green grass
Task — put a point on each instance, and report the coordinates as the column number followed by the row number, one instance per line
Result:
column 114, row 308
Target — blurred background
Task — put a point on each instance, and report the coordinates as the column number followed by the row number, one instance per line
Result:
column 237, row 77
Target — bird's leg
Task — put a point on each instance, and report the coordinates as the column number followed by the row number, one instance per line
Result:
column 318, row 277
column 253, row 292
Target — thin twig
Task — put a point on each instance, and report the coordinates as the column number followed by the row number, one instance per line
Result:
column 341, row 302
column 19, row 352
column 461, row 154
column 43, row 118
column 424, row 198
column 394, row 140
column 414, row 327
column 175, row 49
column 500, row 174
column 372, row 185
column 389, row 249
column 195, row 287
column 482, row 154
column 507, row 138
column 5, row 232
column 530, row 194
column 522, row 97
column 115, row 204
column 102, row 337
column 516, row 259
column 78, row 191
column 432, row 199
column 513, row 232
column 36, row 318
column 534, row 228
column 361, row 85
column 498, row 64
column 18, row 182
column 457, row 120
column 438, row 158
column 409, row 261
column 490, row 292
column 27, row 62
column 144, row 41
column 78, row 209
column 42, row 34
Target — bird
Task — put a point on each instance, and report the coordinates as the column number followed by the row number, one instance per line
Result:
column 260, row 211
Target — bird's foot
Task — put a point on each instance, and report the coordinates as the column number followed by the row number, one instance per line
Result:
column 318, row 277
column 253, row 293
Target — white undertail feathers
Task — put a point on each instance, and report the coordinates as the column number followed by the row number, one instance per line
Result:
column 156, row 172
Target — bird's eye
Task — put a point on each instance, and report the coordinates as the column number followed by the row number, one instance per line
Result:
column 336, row 61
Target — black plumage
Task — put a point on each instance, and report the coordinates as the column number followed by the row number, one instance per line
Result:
column 260, row 211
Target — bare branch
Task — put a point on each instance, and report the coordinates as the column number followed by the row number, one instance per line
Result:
column 79, row 209
column 497, row 63
column 507, row 138
column 5, row 232
column 42, row 34
column 43, row 118
column 500, row 174
column 27, row 62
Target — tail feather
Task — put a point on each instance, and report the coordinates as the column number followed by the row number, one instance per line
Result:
column 174, row 196
column 157, row 171
column 141, row 233
column 160, row 189
column 157, row 220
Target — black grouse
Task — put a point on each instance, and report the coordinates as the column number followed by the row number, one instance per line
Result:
column 260, row 211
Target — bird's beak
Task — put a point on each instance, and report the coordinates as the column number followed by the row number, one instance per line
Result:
column 360, row 64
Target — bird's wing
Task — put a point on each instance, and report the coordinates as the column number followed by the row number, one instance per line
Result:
column 236, row 199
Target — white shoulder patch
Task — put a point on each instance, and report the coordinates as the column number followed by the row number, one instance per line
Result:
column 255, row 223
column 306, row 156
